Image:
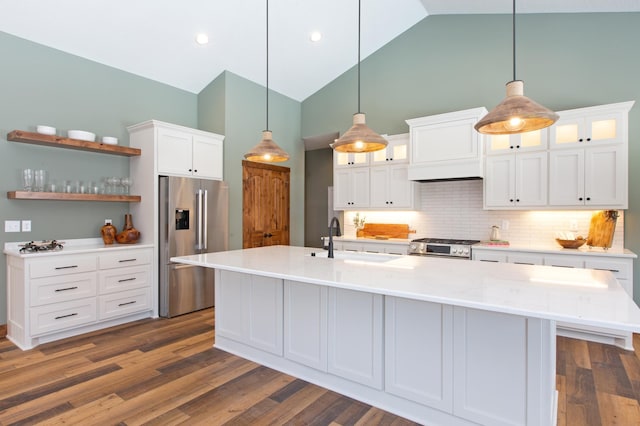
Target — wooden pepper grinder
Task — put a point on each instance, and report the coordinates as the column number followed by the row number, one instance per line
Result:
column 108, row 232
column 129, row 234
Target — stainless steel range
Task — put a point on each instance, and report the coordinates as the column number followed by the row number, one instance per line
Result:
column 459, row 249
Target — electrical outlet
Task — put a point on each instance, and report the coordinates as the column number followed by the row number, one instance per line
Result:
column 26, row 226
column 505, row 225
column 11, row 226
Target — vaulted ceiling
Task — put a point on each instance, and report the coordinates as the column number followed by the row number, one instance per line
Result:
column 156, row 38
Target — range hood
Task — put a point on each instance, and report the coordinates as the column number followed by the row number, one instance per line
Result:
column 446, row 146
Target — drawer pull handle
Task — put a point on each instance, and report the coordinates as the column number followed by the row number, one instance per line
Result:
column 487, row 260
column 605, row 269
column 127, row 303
column 126, row 279
column 67, row 316
column 127, row 260
column 67, row 289
column 523, row 263
column 563, row 266
column 66, row 267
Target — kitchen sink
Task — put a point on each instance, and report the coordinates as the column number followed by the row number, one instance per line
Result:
column 356, row 256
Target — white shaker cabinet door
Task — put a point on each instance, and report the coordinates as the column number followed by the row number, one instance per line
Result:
column 305, row 324
column 174, row 152
column 207, row 158
column 355, row 336
column 419, row 351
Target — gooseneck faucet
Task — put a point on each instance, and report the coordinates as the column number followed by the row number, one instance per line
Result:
column 337, row 224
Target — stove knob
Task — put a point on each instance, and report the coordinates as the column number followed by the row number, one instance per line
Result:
column 413, row 247
column 466, row 251
column 454, row 251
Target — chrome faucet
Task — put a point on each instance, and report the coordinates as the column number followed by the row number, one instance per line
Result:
column 337, row 222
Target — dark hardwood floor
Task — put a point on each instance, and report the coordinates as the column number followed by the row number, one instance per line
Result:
column 166, row 372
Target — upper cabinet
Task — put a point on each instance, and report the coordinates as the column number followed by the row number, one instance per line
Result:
column 598, row 125
column 446, row 146
column 344, row 159
column 187, row 152
column 520, row 142
column 396, row 152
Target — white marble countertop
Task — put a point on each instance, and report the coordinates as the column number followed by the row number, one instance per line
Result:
column 71, row 246
column 580, row 296
column 553, row 248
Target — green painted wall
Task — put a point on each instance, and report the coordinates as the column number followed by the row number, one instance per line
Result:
column 318, row 177
column 449, row 63
column 243, row 105
column 39, row 85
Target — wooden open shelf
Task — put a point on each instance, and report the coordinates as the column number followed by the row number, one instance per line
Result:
column 60, row 196
column 60, row 142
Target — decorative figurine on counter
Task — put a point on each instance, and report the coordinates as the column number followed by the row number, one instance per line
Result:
column 108, row 232
column 359, row 224
column 129, row 234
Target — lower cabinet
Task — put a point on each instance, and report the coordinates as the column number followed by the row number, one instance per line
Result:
column 249, row 310
column 422, row 360
column 55, row 296
column 371, row 247
column 355, row 336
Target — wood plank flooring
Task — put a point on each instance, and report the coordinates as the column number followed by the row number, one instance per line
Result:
column 166, row 372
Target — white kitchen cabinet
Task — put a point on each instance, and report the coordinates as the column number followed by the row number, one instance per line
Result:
column 419, row 351
column 391, row 187
column 446, row 146
column 249, row 309
column 51, row 297
column 498, row 366
column 351, row 188
column 355, row 336
column 536, row 140
column 621, row 267
column 305, row 324
column 189, row 152
column 593, row 177
column 350, row 159
column 397, row 151
column 605, row 124
column 516, row 180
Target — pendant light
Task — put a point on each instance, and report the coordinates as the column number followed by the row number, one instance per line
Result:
column 359, row 138
column 267, row 151
column 516, row 113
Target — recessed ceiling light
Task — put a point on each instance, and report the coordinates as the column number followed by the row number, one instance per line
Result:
column 316, row 36
column 202, row 38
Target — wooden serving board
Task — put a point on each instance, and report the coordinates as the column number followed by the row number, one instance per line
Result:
column 384, row 231
column 601, row 228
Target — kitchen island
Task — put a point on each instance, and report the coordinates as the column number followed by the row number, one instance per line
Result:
column 438, row 341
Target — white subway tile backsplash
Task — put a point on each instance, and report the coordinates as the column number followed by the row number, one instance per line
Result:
column 453, row 209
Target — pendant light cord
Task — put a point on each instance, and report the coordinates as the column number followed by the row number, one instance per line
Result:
column 359, row 18
column 267, row 97
column 514, row 39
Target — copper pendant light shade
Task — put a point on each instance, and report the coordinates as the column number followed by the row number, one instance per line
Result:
column 516, row 113
column 359, row 138
column 267, row 151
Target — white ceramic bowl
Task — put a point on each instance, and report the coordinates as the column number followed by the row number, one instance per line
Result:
column 46, row 130
column 110, row 140
column 82, row 135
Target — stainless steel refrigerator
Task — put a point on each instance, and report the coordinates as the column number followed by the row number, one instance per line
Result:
column 194, row 218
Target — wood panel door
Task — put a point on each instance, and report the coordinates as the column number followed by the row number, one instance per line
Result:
column 265, row 204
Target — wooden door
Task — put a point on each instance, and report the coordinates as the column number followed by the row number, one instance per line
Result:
column 265, row 204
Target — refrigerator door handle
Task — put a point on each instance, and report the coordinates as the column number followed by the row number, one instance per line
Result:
column 205, row 219
column 199, row 221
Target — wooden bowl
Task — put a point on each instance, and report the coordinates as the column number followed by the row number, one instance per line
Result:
column 571, row 244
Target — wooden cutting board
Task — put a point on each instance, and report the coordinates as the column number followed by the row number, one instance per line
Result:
column 384, row 231
column 601, row 228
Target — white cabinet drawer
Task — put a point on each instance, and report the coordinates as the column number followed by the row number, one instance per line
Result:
column 564, row 261
column 62, row 265
column 114, row 280
column 621, row 269
column 124, row 303
column 59, row 316
column 121, row 259
column 62, row 289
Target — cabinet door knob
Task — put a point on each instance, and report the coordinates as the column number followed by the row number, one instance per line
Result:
column 511, row 200
column 580, row 140
column 517, row 200
column 588, row 198
column 518, row 146
column 588, row 139
column 580, row 199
